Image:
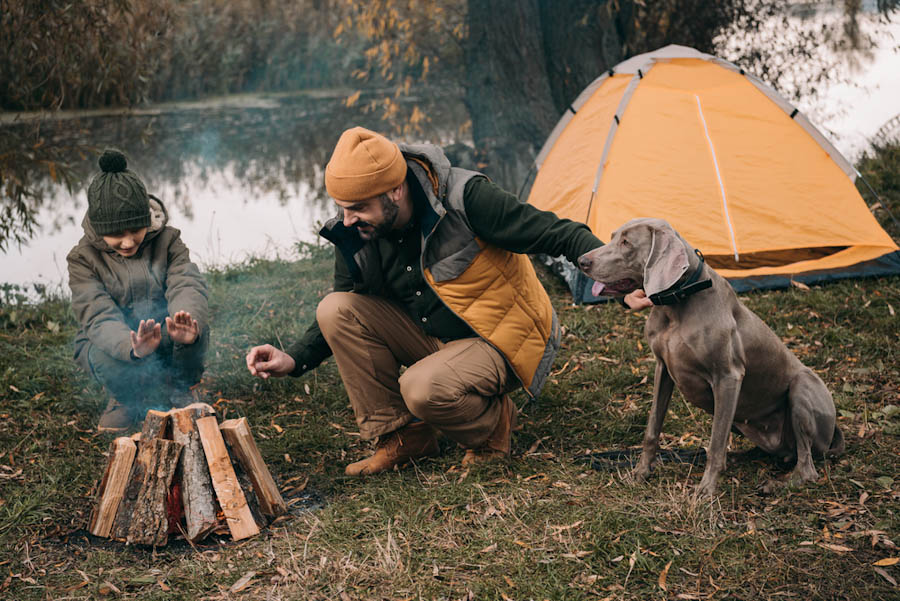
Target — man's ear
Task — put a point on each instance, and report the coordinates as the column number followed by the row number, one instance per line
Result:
column 667, row 262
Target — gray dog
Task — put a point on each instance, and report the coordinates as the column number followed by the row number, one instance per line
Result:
column 722, row 357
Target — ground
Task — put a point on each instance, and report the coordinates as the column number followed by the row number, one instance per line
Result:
column 544, row 526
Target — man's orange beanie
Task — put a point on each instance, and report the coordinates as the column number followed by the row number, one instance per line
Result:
column 364, row 164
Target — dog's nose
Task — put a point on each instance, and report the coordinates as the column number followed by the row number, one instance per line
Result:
column 584, row 261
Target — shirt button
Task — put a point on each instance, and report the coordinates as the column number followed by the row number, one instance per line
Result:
column 408, row 268
column 304, row 366
column 418, row 293
column 424, row 319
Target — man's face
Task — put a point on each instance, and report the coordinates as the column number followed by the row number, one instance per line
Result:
column 373, row 217
column 126, row 243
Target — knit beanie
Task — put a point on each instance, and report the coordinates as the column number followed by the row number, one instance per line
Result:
column 117, row 198
column 364, row 164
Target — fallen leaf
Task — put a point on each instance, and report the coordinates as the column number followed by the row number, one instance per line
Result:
column 489, row 548
column 278, row 428
column 833, row 547
column 242, row 582
column 799, row 285
column 287, row 458
column 108, row 588
column 662, row 576
column 886, row 576
column 887, row 561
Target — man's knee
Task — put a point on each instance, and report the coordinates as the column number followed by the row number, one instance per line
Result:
column 416, row 392
column 330, row 309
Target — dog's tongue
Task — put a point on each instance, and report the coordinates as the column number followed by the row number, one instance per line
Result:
column 597, row 288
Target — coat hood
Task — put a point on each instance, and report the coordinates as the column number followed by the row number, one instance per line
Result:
column 159, row 218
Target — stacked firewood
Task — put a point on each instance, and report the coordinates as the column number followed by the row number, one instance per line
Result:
column 185, row 473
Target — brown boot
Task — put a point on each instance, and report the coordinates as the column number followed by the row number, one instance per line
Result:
column 397, row 448
column 496, row 447
column 116, row 418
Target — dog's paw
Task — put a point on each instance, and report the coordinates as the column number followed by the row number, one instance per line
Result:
column 706, row 489
column 640, row 473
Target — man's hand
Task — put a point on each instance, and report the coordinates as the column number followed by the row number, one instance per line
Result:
column 145, row 341
column 182, row 328
column 266, row 360
column 637, row 300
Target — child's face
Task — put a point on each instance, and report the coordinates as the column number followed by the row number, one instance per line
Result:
column 126, row 243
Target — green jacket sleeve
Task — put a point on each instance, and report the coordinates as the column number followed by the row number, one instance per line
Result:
column 99, row 315
column 186, row 288
column 499, row 218
column 312, row 349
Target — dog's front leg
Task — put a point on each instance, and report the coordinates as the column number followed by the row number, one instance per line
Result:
column 725, row 391
column 662, row 393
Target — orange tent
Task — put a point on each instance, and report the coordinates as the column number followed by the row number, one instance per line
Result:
column 734, row 167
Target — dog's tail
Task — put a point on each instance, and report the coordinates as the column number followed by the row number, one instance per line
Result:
column 836, row 449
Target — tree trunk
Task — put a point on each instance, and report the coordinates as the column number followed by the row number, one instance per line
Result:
column 507, row 89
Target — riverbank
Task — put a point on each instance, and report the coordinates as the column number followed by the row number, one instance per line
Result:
column 544, row 526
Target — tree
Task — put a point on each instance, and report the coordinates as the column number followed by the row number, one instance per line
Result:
column 521, row 62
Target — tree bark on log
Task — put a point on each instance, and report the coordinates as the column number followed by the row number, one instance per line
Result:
column 149, row 524
column 240, row 440
column 156, row 424
column 193, row 474
column 232, row 500
column 112, row 487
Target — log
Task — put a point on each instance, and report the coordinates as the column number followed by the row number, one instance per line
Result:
column 149, row 523
column 240, row 440
column 231, row 497
column 193, row 473
column 112, row 487
column 156, row 424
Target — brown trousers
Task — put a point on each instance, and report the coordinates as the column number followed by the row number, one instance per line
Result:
column 454, row 386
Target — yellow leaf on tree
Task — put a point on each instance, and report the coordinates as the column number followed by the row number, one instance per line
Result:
column 351, row 100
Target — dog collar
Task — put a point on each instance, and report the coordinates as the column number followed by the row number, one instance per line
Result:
column 673, row 295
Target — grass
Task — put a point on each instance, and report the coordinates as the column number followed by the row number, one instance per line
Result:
column 545, row 526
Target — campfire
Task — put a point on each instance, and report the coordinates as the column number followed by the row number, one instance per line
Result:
column 185, row 473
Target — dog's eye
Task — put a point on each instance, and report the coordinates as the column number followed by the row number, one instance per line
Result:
column 624, row 242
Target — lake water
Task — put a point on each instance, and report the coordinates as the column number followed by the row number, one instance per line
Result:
column 243, row 176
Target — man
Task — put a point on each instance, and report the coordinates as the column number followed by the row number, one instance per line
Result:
column 430, row 273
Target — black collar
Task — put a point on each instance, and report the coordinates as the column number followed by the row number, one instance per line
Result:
column 675, row 295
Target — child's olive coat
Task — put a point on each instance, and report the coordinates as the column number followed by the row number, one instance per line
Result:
column 111, row 294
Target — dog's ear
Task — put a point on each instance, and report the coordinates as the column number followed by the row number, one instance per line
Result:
column 667, row 262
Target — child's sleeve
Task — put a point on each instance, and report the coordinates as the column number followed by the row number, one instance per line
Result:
column 186, row 288
column 96, row 311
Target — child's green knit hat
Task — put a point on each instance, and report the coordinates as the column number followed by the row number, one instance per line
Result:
column 117, row 198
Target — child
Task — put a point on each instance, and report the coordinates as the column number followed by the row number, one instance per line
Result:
column 141, row 303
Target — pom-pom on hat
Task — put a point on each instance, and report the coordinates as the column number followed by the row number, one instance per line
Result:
column 117, row 198
column 364, row 164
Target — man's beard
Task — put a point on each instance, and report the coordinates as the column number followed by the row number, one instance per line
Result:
column 389, row 212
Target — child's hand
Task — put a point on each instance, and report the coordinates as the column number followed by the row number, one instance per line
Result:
column 146, row 340
column 182, row 329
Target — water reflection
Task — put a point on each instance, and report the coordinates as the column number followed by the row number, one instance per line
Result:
column 238, row 181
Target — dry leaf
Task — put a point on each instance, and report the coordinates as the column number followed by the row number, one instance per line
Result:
column 887, row 561
column 662, row 576
column 278, row 428
column 833, row 547
column 886, row 576
column 242, row 582
column 799, row 285
column 489, row 548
